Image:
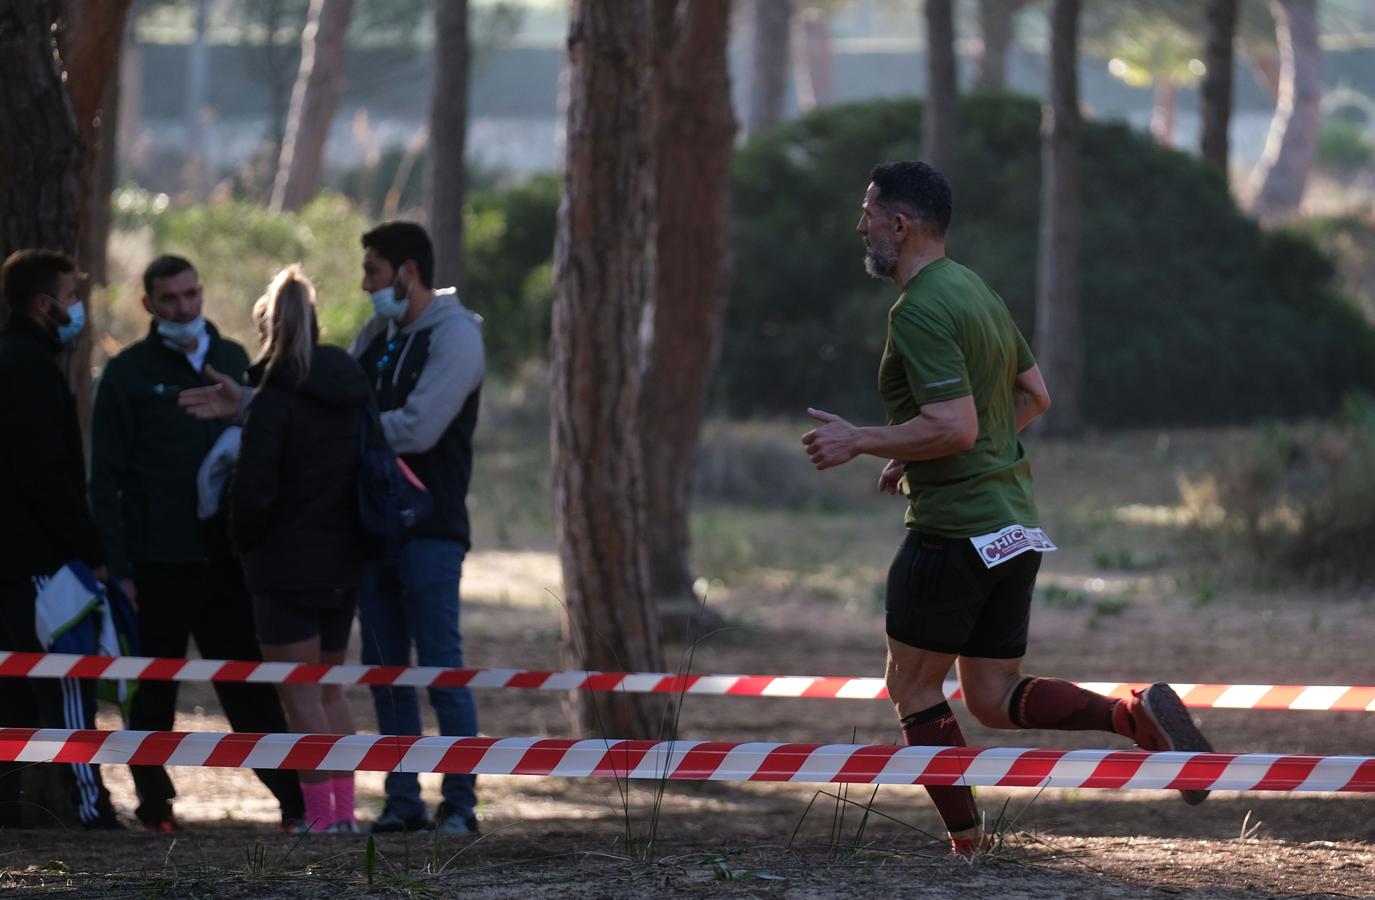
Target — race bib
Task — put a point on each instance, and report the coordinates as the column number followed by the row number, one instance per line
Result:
column 1014, row 540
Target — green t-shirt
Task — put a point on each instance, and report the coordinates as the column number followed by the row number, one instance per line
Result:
column 950, row 335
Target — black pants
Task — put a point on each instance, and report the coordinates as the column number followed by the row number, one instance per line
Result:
column 207, row 601
column 43, row 703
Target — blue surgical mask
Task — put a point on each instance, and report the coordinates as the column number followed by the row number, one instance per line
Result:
column 386, row 305
column 182, row 333
column 67, row 333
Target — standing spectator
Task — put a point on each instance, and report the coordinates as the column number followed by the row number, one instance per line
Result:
column 179, row 570
column 294, row 517
column 44, row 520
column 422, row 352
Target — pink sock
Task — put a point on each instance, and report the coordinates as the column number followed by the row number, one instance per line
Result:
column 343, row 798
column 319, row 804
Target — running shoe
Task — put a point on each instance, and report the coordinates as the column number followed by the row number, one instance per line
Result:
column 448, row 821
column 1158, row 720
column 390, row 822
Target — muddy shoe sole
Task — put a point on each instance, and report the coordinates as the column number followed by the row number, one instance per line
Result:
column 1172, row 717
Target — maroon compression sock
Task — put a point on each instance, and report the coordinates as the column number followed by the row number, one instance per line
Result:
column 1059, row 705
column 936, row 727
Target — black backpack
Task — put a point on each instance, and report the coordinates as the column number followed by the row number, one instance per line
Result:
column 391, row 499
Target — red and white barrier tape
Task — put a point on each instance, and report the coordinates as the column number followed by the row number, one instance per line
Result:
column 139, row 668
column 700, row 760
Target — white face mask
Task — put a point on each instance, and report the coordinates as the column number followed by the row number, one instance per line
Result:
column 182, row 332
column 386, row 304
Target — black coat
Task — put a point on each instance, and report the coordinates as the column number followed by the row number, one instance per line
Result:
column 44, row 519
column 294, row 498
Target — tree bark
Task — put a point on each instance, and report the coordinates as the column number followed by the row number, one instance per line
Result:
column 89, row 37
column 1214, row 143
column 816, row 75
column 997, row 25
column 446, row 178
column 604, row 276
column 40, row 154
column 694, row 134
column 198, row 164
column 1059, row 343
column 1291, row 147
column 940, row 126
column 314, row 100
column 771, row 40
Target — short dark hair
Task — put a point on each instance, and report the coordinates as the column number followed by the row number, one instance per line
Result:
column 28, row 273
column 918, row 190
column 397, row 242
column 164, row 267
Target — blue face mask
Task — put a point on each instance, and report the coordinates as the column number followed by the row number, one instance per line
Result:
column 182, row 333
column 386, row 305
column 67, row 333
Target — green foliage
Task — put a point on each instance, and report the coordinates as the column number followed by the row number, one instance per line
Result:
column 1301, row 498
column 508, row 268
column 1191, row 314
column 1343, row 147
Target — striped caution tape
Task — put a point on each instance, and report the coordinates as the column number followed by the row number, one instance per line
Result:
column 700, row 760
column 138, row 668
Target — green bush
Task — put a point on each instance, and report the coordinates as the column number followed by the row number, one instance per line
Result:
column 1343, row 147
column 1191, row 314
column 1302, row 497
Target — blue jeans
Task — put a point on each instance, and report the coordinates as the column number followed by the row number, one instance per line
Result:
column 417, row 602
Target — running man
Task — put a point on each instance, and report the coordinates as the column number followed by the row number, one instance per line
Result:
column 958, row 383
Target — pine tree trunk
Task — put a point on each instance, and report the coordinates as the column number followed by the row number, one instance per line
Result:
column 89, row 38
column 939, row 127
column 771, row 58
column 40, row 153
column 1291, row 147
column 446, row 178
column 694, row 133
column 1059, row 343
column 314, row 100
column 997, row 22
column 1214, row 144
column 604, row 276
column 816, row 74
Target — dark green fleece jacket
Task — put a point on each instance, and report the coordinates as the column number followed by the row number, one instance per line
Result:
column 145, row 452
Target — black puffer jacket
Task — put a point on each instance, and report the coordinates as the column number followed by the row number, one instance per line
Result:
column 294, row 500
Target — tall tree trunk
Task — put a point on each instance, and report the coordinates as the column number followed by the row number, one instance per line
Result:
column 940, row 127
column 1164, row 110
column 40, row 154
column 313, row 103
column 198, row 165
column 1059, row 343
column 816, row 74
column 771, row 56
column 1214, row 143
column 89, row 37
column 997, row 26
column 448, row 138
column 694, row 133
column 604, row 275
column 1292, row 145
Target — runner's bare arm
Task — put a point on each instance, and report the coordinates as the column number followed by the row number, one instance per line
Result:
column 1030, row 396
column 941, row 429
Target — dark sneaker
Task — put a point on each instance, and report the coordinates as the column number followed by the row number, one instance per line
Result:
column 168, row 825
column 1158, row 720
column 104, row 822
column 449, row 821
column 292, row 825
column 391, row 823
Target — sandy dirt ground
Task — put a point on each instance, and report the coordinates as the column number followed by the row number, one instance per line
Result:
column 1119, row 602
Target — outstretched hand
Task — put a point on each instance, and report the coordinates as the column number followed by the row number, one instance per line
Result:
column 832, row 443
column 217, row 401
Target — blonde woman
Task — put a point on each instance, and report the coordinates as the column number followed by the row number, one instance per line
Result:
column 294, row 517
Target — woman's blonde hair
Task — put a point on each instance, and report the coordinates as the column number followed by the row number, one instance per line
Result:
column 285, row 317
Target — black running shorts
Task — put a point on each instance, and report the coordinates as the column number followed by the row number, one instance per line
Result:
column 285, row 617
column 942, row 598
